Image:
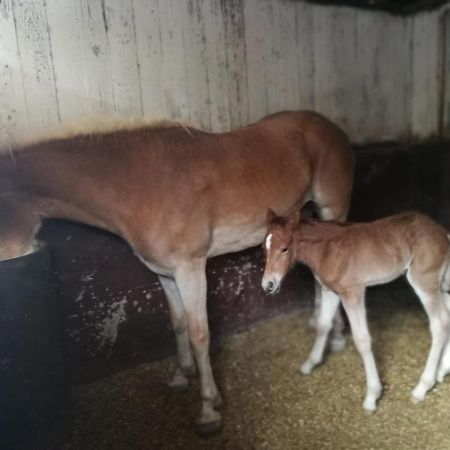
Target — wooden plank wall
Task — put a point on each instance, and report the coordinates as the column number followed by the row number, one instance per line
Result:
column 219, row 64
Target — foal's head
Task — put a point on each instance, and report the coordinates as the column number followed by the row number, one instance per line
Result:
column 278, row 249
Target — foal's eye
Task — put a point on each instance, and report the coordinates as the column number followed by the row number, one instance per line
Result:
column 284, row 250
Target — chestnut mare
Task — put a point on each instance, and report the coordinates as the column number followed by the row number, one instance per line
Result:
column 347, row 258
column 178, row 195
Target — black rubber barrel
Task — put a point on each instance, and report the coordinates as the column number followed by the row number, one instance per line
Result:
column 33, row 386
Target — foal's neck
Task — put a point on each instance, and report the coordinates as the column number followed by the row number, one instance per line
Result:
column 311, row 239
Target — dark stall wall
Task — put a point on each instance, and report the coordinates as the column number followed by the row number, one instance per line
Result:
column 114, row 308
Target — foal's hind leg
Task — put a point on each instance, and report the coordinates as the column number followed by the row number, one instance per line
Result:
column 355, row 308
column 433, row 303
column 186, row 365
column 444, row 365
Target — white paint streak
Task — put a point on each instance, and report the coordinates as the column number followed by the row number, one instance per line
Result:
column 80, row 294
column 109, row 327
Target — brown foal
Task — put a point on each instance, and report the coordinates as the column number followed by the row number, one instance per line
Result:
column 345, row 258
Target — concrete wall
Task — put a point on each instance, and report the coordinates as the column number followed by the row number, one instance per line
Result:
column 219, row 63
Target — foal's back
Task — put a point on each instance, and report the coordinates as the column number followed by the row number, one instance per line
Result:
column 376, row 252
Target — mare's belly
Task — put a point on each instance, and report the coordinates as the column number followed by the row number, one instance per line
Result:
column 227, row 239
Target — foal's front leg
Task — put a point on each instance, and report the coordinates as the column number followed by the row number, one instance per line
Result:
column 186, row 366
column 191, row 283
column 324, row 322
column 337, row 338
column 355, row 308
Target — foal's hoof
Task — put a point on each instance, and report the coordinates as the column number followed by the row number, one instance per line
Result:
column 417, row 397
column 370, row 406
column 306, row 368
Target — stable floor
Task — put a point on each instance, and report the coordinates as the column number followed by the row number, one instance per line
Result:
column 268, row 403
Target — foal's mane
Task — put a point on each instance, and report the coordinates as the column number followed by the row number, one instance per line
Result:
column 314, row 231
column 91, row 126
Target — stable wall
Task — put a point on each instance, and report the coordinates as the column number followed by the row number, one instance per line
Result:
column 221, row 64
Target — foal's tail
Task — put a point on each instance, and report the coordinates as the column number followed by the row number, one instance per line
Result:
column 445, row 283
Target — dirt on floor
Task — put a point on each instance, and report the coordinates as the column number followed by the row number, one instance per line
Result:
column 268, row 403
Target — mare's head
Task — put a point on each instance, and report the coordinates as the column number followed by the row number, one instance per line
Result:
column 279, row 249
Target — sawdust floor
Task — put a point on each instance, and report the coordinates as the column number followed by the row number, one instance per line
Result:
column 268, row 404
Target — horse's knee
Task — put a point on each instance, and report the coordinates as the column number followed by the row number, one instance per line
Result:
column 363, row 343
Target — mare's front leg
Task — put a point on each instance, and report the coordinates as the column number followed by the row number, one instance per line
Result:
column 354, row 306
column 191, row 282
column 324, row 323
column 186, row 366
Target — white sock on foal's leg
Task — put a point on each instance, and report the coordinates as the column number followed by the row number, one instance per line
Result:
column 356, row 311
column 328, row 307
column 444, row 364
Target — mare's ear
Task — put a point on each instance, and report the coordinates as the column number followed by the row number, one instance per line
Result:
column 293, row 218
column 271, row 216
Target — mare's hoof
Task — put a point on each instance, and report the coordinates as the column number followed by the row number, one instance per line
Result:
column 209, row 428
column 178, row 383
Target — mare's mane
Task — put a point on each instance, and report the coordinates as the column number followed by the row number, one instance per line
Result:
column 92, row 127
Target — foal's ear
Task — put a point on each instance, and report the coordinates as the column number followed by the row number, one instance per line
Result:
column 271, row 216
column 293, row 218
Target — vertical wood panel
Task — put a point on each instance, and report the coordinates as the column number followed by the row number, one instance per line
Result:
column 150, row 56
column 123, row 56
column 304, row 43
column 256, row 34
column 36, row 62
column 173, row 67
column 426, row 74
column 236, row 54
column 81, row 57
column 13, row 108
column 445, row 106
column 197, row 69
column 217, row 67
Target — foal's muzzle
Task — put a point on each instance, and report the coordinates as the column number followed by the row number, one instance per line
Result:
column 271, row 286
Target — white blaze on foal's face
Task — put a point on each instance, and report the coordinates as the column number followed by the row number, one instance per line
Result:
column 269, row 241
column 277, row 261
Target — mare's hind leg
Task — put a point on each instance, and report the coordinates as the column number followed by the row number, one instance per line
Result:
column 191, row 282
column 18, row 228
column 332, row 211
column 433, row 302
column 186, row 365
